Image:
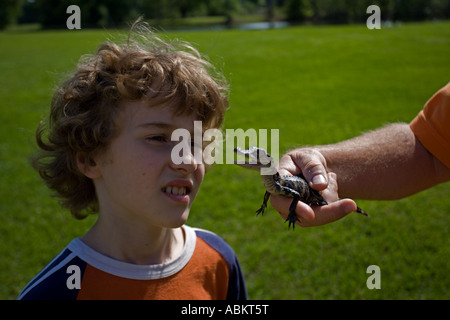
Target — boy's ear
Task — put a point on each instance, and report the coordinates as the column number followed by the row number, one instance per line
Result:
column 87, row 165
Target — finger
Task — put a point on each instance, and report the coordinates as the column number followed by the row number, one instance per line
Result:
column 336, row 208
column 331, row 212
column 286, row 166
column 302, row 211
column 308, row 161
column 331, row 192
column 316, row 215
column 313, row 166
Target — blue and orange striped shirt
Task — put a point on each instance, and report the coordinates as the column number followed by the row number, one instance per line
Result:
column 207, row 269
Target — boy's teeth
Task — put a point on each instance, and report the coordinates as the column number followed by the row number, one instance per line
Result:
column 176, row 190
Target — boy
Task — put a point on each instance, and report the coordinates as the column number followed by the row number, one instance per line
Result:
column 108, row 150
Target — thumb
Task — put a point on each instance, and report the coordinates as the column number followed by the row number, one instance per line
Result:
column 313, row 166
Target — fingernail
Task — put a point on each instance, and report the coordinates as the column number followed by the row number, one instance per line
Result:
column 319, row 179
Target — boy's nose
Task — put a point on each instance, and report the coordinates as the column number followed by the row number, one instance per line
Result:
column 187, row 165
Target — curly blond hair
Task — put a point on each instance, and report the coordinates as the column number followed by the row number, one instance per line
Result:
column 84, row 107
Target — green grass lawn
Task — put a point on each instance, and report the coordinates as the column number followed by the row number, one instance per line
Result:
column 317, row 85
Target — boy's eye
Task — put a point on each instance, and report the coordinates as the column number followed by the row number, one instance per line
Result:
column 157, row 138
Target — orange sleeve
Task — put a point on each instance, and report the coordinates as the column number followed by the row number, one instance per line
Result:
column 432, row 125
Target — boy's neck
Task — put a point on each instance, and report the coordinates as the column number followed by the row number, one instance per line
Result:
column 136, row 244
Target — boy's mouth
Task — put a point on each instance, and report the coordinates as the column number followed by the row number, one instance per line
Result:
column 181, row 191
column 178, row 190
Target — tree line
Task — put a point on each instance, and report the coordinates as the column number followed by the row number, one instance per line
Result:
column 114, row 13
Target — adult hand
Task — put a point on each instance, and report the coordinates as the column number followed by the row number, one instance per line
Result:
column 312, row 164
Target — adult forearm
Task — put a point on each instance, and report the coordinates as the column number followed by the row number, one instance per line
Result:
column 384, row 164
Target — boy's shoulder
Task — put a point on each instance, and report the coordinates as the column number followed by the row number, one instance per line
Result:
column 57, row 278
column 236, row 283
column 217, row 243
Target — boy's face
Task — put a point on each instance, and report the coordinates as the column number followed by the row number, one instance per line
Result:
column 137, row 179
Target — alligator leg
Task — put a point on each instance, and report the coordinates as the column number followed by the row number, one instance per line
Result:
column 264, row 204
column 319, row 200
column 292, row 218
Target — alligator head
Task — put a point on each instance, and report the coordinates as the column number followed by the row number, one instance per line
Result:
column 255, row 158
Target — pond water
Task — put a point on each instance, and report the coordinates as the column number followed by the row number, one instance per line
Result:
column 243, row 26
column 263, row 25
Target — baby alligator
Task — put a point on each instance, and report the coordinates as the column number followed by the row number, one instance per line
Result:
column 295, row 187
